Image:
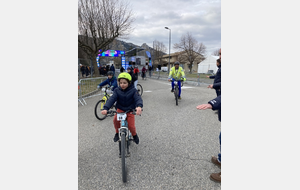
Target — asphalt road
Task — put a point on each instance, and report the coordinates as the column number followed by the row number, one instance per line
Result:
column 176, row 143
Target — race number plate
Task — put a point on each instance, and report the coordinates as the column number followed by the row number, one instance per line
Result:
column 121, row 116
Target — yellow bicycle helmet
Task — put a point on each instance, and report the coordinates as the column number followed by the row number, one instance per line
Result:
column 124, row 76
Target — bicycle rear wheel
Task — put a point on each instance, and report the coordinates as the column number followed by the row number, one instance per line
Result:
column 123, row 155
column 140, row 89
column 98, row 109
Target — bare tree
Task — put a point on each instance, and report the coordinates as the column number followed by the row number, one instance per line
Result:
column 216, row 52
column 192, row 51
column 100, row 22
column 159, row 50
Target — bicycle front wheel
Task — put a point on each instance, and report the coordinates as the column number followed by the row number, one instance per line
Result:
column 139, row 89
column 98, row 109
column 176, row 95
column 123, row 155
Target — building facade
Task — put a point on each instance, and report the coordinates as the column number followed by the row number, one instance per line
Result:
column 181, row 58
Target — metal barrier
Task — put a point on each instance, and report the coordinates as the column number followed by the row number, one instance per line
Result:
column 80, row 99
column 164, row 76
column 88, row 88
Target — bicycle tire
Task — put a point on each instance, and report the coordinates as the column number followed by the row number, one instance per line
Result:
column 176, row 95
column 98, row 110
column 123, row 155
column 140, row 89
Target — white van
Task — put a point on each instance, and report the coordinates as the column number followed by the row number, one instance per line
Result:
column 164, row 69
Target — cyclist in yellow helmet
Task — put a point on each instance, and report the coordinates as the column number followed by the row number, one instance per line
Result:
column 176, row 73
column 127, row 98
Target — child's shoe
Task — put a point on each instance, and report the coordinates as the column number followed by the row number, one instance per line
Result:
column 116, row 138
column 136, row 139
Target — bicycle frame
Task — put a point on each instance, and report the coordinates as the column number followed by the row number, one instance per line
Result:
column 106, row 95
column 176, row 90
column 124, row 125
column 176, row 83
column 125, row 137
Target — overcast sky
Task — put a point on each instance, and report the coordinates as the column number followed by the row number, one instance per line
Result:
column 202, row 18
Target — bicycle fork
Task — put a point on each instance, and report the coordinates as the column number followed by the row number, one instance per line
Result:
column 176, row 91
column 124, row 130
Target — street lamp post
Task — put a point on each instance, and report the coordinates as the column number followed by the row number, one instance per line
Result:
column 169, row 47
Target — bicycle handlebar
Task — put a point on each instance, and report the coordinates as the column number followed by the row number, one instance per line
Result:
column 112, row 112
column 176, row 80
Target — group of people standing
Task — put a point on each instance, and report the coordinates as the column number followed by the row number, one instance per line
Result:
column 103, row 70
column 85, row 70
column 136, row 71
column 215, row 104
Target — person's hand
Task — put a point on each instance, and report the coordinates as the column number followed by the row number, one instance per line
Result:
column 98, row 87
column 138, row 111
column 104, row 112
column 204, row 107
column 169, row 80
column 207, row 76
column 210, row 86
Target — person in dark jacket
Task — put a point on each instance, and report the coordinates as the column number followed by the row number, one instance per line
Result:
column 150, row 69
column 112, row 68
column 122, row 69
column 127, row 98
column 111, row 81
column 217, row 77
column 99, row 69
column 214, row 104
column 87, row 71
column 133, row 76
column 107, row 68
column 82, row 69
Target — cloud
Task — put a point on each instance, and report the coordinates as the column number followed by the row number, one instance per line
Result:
column 201, row 18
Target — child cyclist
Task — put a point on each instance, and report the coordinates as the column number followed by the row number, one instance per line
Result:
column 111, row 81
column 127, row 98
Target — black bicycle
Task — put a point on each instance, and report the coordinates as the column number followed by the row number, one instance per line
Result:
column 125, row 137
column 176, row 90
column 101, row 103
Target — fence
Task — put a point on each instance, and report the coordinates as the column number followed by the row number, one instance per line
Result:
column 88, row 88
column 193, row 79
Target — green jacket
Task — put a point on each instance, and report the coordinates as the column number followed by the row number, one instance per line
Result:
column 177, row 74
